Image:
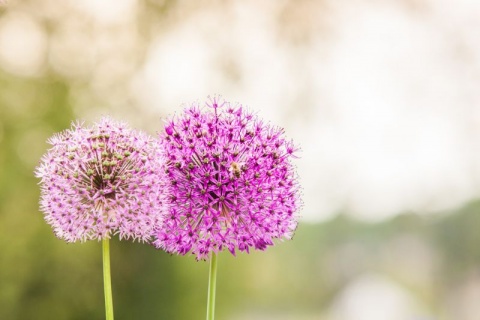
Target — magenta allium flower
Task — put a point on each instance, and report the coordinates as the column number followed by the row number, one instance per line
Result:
column 233, row 183
column 102, row 180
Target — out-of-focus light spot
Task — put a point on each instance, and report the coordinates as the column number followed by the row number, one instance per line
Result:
column 22, row 45
column 373, row 297
column 177, row 70
column 107, row 11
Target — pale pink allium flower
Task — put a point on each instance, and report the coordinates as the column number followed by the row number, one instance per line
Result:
column 233, row 184
column 102, row 180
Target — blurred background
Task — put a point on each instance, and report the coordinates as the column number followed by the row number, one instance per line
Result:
column 382, row 96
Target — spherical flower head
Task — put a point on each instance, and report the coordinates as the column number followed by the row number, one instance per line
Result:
column 233, row 184
column 102, row 180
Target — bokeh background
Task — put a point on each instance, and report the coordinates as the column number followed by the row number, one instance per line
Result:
column 382, row 96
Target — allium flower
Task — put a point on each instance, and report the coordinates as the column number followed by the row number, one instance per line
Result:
column 233, row 183
column 102, row 180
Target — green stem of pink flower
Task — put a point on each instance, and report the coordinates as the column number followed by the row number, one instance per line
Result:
column 212, row 283
column 107, row 281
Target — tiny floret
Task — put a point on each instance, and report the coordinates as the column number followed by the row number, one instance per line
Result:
column 233, row 184
column 102, row 180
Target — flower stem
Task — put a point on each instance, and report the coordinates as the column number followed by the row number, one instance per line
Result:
column 107, row 282
column 212, row 282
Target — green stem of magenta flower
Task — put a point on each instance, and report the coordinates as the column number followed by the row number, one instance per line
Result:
column 107, row 281
column 212, row 283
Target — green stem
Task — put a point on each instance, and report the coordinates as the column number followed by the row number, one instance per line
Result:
column 107, row 281
column 212, row 282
